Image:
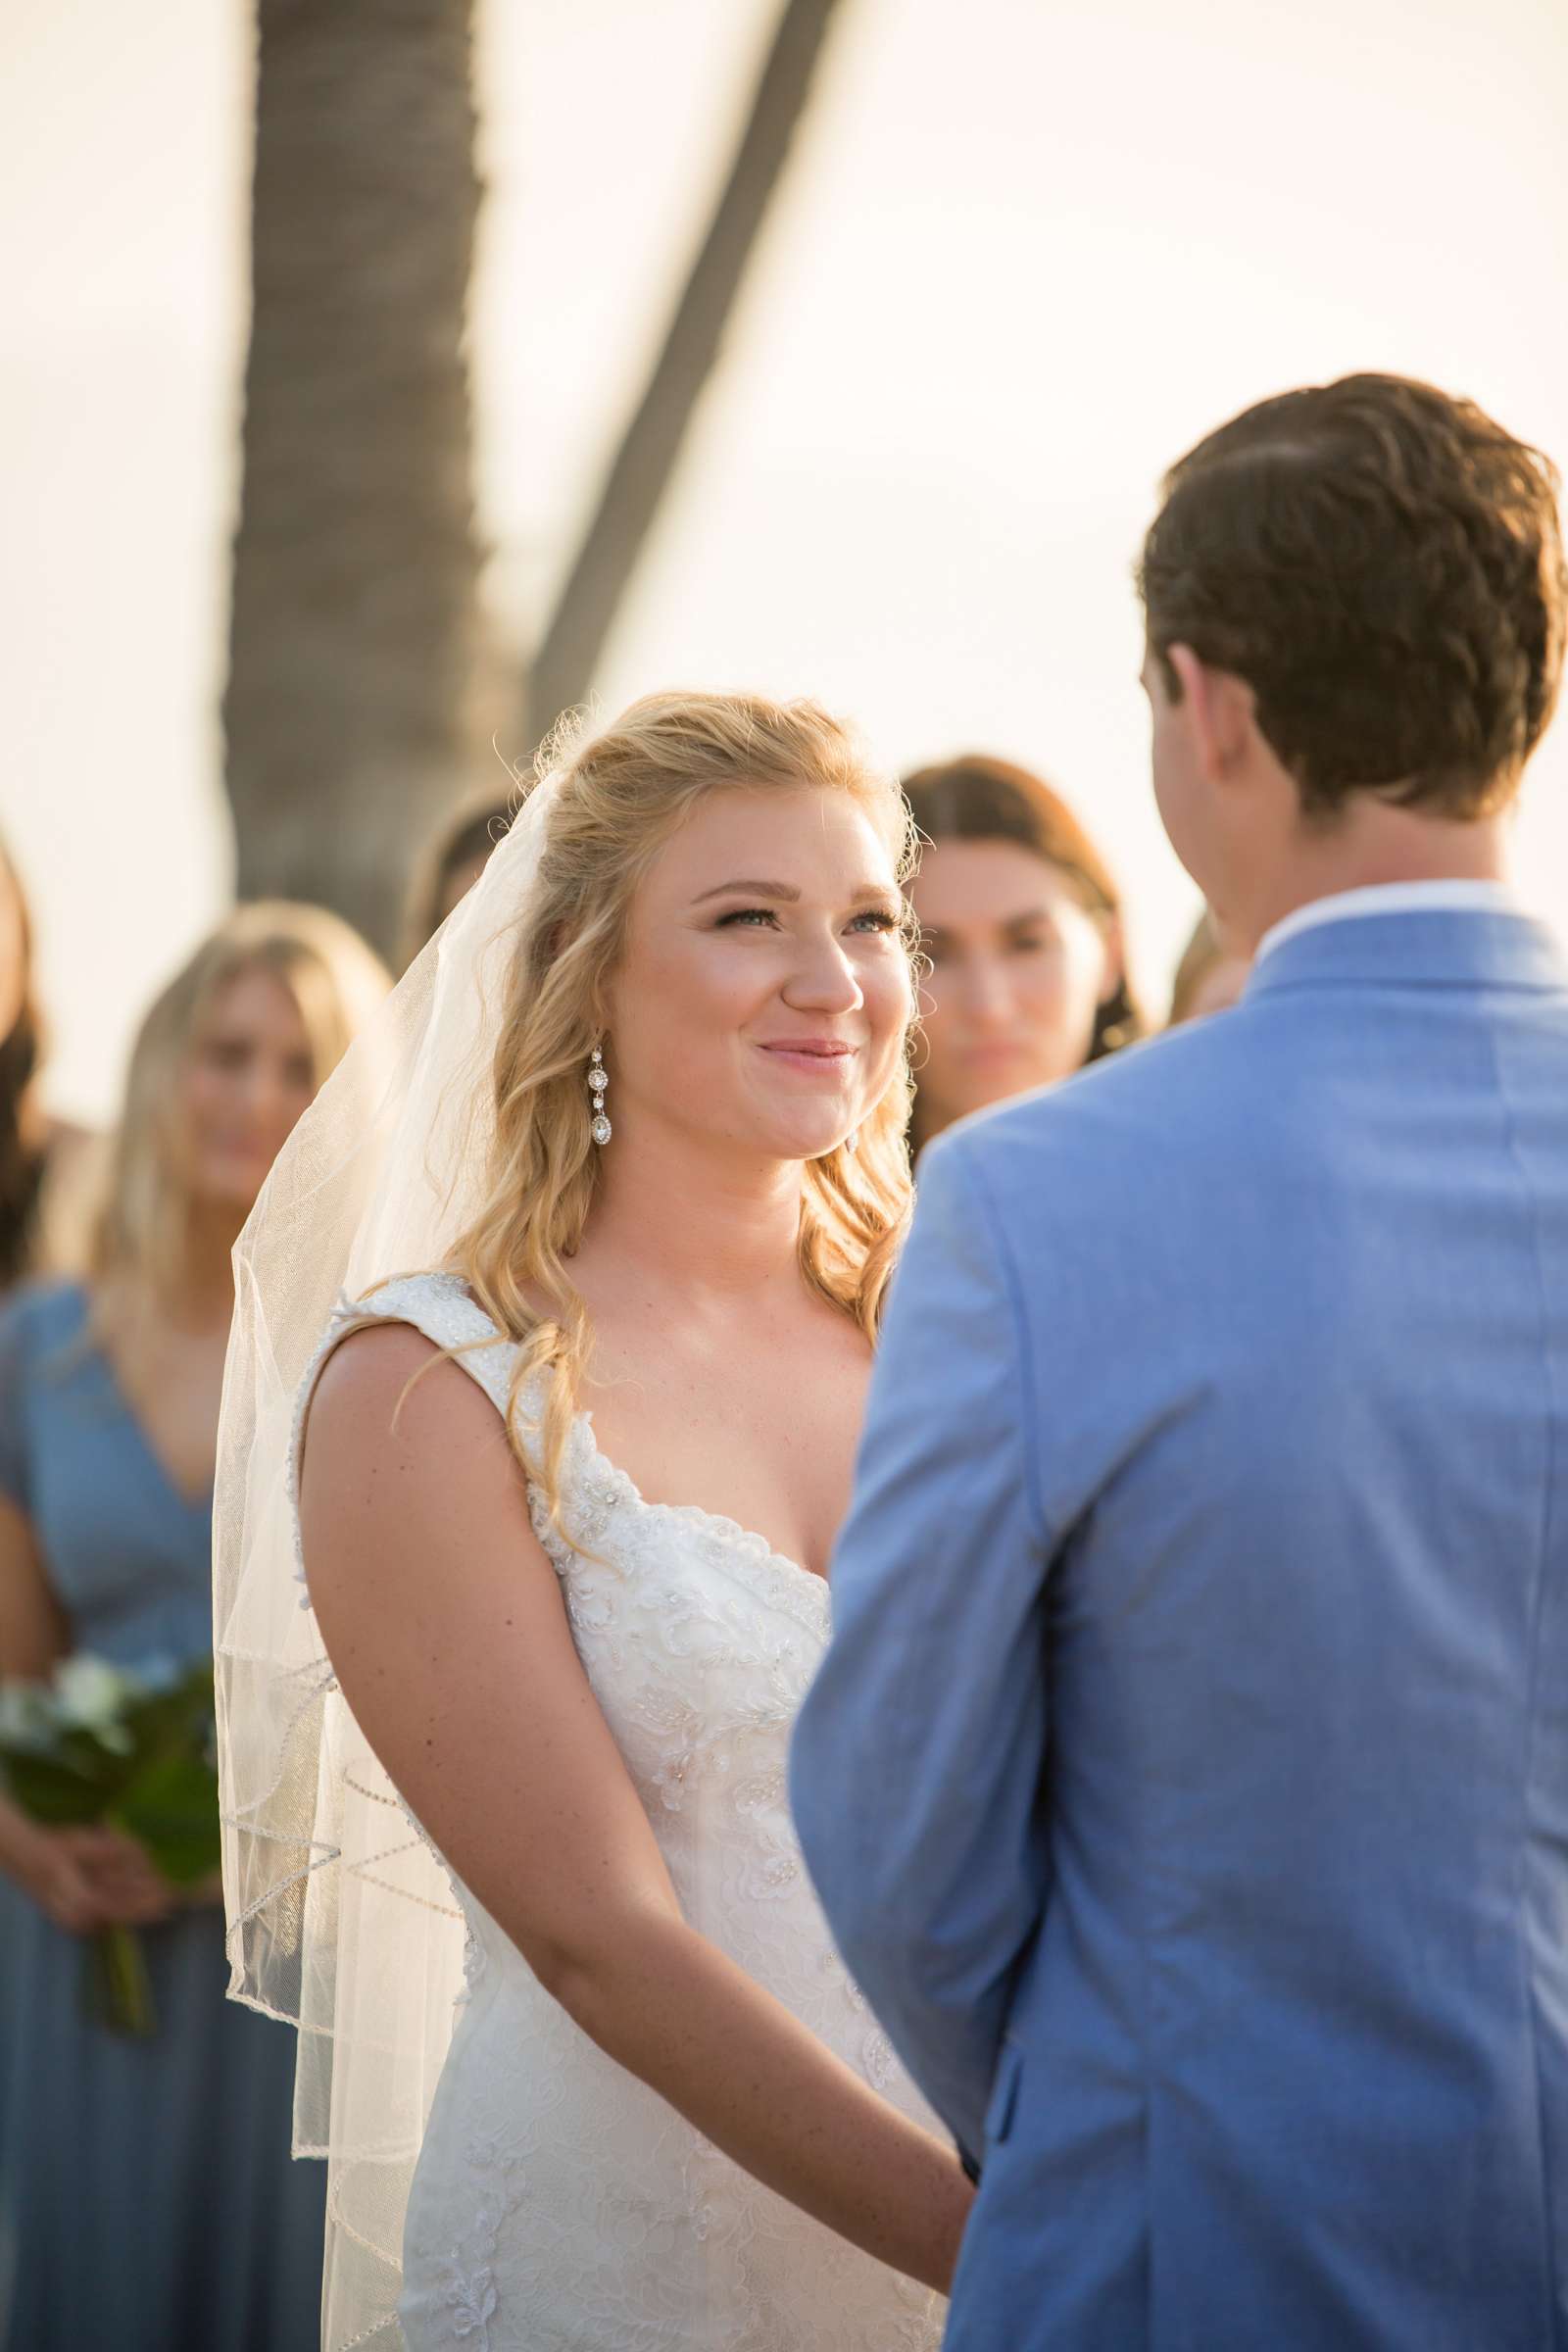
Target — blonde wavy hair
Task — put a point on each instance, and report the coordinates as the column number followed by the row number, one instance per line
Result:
column 336, row 981
column 621, row 794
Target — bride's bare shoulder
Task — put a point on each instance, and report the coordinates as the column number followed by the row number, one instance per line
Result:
column 387, row 1395
column 405, row 1472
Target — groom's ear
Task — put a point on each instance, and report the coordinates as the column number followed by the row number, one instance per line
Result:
column 1220, row 715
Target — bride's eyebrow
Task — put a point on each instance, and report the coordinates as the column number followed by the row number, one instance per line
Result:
column 755, row 890
column 869, row 894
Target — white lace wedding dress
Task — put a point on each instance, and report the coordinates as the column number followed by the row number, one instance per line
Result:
column 558, row 2204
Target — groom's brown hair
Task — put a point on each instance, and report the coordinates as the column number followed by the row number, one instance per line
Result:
column 1382, row 564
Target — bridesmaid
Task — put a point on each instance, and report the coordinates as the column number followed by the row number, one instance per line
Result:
column 147, row 2198
column 1022, row 924
column 43, row 1163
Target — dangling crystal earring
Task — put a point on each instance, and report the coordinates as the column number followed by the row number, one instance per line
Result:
column 598, row 1080
column 852, row 1142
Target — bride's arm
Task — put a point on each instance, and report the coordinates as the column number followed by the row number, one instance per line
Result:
column 445, row 1624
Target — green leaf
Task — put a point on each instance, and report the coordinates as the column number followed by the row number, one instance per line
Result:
column 55, row 1792
column 172, row 1807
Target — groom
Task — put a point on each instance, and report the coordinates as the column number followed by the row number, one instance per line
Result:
column 1187, row 1783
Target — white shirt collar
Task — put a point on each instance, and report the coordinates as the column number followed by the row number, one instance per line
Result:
column 1392, row 898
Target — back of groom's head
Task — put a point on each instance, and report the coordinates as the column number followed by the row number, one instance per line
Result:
column 1384, row 566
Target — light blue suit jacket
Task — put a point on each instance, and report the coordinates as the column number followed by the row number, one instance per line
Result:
column 1187, row 1783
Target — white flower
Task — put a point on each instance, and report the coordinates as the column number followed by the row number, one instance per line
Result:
column 27, row 1714
column 90, row 1694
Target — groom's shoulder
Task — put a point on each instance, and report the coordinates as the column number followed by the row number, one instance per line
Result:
column 1132, row 1161
column 1191, row 1085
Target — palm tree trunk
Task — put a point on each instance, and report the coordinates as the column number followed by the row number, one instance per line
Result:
column 354, row 634
column 562, row 668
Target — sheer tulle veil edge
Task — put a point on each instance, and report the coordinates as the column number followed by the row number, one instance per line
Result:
column 340, row 1919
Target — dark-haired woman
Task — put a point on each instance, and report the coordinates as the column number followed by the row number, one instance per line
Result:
column 35, row 1150
column 38, row 1159
column 1022, row 924
column 449, row 870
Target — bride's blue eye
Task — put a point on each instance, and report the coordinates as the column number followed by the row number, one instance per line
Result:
column 876, row 918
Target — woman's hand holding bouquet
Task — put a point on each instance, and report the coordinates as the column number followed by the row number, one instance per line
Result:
column 113, row 1779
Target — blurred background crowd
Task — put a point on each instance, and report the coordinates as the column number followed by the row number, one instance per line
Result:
column 378, row 383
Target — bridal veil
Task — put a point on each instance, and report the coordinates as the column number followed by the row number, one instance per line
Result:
column 340, row 1918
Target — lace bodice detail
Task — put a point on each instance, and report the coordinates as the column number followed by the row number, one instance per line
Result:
column 558, row 2201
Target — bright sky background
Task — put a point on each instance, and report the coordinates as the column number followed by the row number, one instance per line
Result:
column 1025, row 256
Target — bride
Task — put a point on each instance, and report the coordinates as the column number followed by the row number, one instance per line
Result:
column 520, row 1758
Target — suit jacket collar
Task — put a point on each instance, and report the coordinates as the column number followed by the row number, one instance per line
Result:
column 1435, row 948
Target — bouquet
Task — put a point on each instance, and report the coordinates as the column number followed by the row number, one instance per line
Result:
column 100, row 1746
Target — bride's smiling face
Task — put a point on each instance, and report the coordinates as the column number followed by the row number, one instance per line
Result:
column 765, row 990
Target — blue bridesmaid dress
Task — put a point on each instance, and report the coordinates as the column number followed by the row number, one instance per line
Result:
column 148, row 2200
